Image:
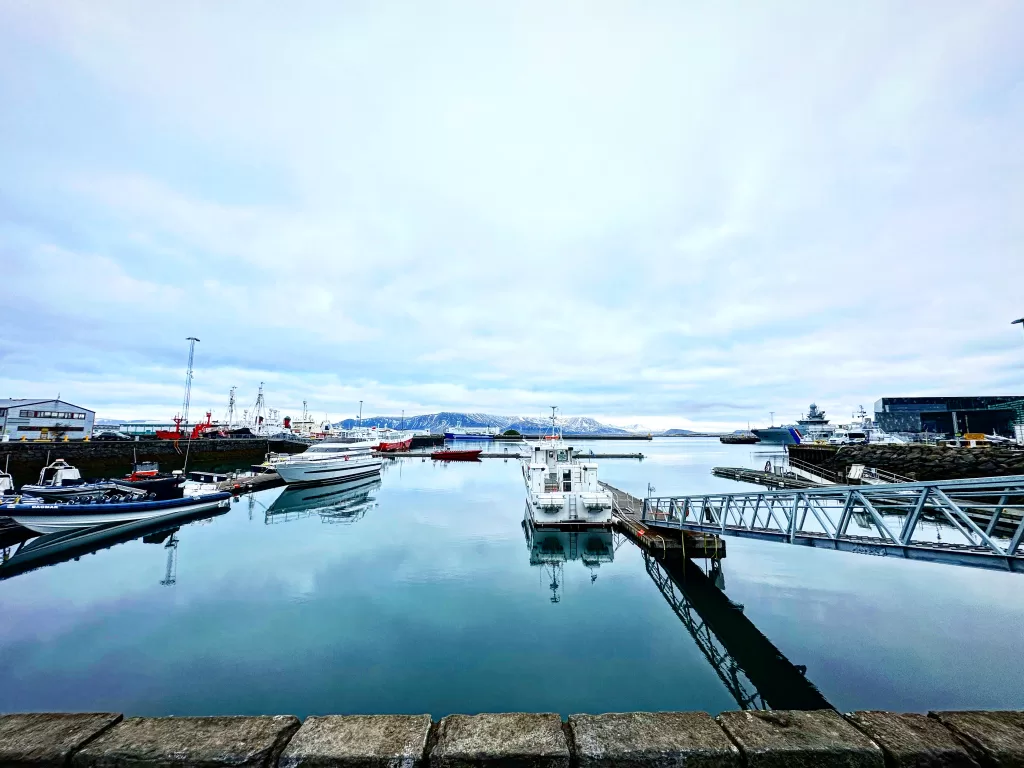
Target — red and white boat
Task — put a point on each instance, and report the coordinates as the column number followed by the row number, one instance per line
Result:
column 395, row 441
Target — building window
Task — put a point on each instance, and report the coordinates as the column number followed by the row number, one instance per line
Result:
column 51, row 429
column 52, row 415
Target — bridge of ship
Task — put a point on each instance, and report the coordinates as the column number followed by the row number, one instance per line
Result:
column 977, row 522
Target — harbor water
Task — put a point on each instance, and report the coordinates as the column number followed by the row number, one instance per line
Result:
column 416, row 594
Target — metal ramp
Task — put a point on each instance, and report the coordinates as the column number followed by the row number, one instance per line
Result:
column 977, row 522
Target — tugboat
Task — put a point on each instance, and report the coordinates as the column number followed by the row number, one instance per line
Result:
column 561, row 490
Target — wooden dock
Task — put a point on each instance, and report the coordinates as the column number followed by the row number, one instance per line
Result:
column 248, row 483
column 627, row 511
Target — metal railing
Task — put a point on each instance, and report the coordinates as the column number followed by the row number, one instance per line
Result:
column 982, row 519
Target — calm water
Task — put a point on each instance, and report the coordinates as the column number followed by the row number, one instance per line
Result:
column 417, row 594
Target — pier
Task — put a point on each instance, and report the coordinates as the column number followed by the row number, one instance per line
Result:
column 510, row 455
column 637, row 739
column 627, row 513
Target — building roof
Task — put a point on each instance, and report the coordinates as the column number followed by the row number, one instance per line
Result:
column 20, row 401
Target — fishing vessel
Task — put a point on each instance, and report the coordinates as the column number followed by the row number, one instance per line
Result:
column 47, row 516
column 561, row 490
column 395, row 441
column 813, row 427
column 330, row 462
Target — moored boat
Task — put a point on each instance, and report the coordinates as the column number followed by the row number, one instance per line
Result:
column 330, row 463
column 46, row 517
column 743, row 438
column 452, row 454
column 398, row 441
column 60, row 481
column 471, row 433
column 561, row 489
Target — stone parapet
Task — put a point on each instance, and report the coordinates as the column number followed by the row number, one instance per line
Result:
column 773, row 739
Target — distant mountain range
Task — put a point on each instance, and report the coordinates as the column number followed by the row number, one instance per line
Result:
column 440, row 422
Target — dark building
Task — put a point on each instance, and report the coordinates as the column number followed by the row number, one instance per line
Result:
column 994, row 414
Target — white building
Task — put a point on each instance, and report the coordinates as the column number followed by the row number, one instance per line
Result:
column 44, row 419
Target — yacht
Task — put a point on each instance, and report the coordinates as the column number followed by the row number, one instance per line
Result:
column 561, row 489
column 60, row 481
column 330, row 463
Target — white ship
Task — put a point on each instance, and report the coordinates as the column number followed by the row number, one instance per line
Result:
column 330, row 463
column 561, row 490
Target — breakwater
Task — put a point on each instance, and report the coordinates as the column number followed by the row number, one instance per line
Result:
column 917, row 461
column 756, row 739
column 110, row 459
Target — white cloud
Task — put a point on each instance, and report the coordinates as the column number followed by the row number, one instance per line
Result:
column 688, row 213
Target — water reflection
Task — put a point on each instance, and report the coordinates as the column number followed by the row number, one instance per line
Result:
column 337, row 503
column 551, row 549
column 756, row 673
column 31, row 551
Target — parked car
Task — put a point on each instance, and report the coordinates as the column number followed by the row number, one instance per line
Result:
column 113, row 436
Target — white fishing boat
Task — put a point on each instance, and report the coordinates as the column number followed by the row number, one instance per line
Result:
column 331, row 462
column 561, row 490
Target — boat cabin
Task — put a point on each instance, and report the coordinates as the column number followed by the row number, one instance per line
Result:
column 59, row 474
column 6, row 484
column 554, row 469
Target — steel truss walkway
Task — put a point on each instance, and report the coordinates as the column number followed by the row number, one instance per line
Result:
column 976, row 522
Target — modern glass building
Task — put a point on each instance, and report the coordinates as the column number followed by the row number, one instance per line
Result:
column 989, row 414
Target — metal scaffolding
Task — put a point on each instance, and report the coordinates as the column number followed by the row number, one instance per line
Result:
column 977, row 522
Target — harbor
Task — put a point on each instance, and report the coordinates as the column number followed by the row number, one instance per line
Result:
column 738, row 623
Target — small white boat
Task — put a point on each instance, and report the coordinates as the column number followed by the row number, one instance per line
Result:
column 203, row 483
column 561, row 489
column 60, row 481
column 330, row 463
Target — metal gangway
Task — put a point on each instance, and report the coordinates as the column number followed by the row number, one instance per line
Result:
column 976, row 522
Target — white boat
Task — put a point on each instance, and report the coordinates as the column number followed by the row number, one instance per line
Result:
column 60, row 481
column 203, row 483
column 48, row 517
column 331, row 463
column 561, row 489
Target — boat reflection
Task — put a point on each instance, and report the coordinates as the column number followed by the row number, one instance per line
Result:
column 551, row 549
column 755, row 672
column 337, row 503
column 32, row 551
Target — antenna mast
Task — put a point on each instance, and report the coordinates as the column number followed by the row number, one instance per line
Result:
column 554, row 421
column 188, row 379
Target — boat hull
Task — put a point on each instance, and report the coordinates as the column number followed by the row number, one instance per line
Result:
column 50, row 518
column 331, row 470
column 82, row 491
column 468, row 455
column 778, row 435
column 453, row 436
column 392, row 446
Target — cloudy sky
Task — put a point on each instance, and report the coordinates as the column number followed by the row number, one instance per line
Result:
column 673, row 213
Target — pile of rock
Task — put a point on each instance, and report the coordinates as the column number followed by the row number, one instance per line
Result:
column 917, row 461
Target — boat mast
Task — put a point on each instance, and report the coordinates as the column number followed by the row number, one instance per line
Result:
column 231, row 408
column 188, row 380
column 554, row 421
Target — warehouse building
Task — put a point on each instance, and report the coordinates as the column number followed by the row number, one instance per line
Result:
column 987, row 414
column 44, row 420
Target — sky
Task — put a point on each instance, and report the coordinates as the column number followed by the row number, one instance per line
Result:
column 677, row 214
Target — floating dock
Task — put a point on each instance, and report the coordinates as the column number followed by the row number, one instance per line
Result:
column 759, row 477
column 510, row 455
column 627, row 510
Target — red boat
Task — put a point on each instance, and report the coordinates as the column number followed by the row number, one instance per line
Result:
column 395, row 444
column 452, row 455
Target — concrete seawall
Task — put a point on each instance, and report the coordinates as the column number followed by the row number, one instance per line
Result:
column 772, row 739
column 103, row 459
column 921, row 462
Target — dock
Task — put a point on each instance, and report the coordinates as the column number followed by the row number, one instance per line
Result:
column 627, row 511
column 510, row 455
column 249, row 483
column 759, row 477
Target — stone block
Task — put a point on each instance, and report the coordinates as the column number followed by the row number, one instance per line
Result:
column 790, row 739
column 196, row 742
column 516, row 740
column 652, row 740
column 993, row 738
column 361, row 741
column 913, row 741
column 43, row 740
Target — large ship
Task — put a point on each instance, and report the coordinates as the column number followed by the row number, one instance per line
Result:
column 471, row 433
column 812, row 427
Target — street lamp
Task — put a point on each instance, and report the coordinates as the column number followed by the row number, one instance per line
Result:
column 1019, row 320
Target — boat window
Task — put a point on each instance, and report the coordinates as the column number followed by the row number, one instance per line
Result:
column 567, row 475
column 551, row 454
column 567, row 486
column 563, row 456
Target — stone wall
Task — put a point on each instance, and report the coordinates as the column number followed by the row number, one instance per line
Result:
column 102, row 459
column 921, row 462
column 773, row 739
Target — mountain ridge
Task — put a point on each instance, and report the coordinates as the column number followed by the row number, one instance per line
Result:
column 440, row 422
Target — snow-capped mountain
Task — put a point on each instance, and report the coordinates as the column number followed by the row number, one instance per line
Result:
column 439, row 422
